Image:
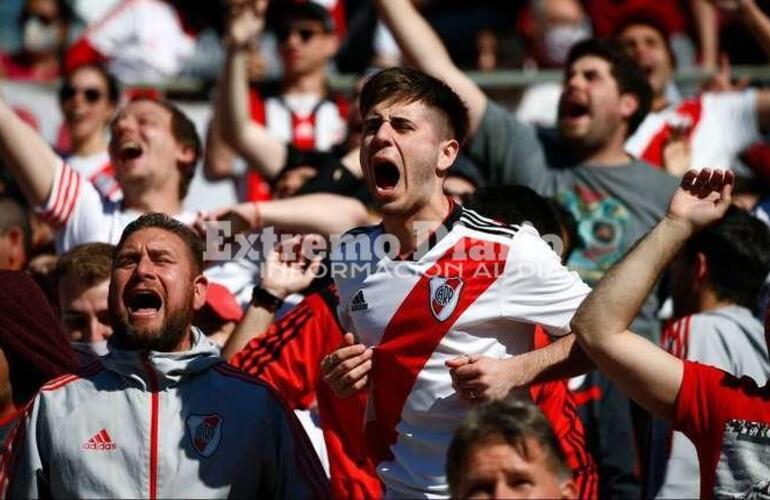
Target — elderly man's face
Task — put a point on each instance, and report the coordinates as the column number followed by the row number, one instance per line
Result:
column 154, row 291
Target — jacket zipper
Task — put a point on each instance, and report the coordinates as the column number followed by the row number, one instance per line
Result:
column 153, row 382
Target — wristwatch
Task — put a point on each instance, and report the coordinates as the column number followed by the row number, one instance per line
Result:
column 262, row 298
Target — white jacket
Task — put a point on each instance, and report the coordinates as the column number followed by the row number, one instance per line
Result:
column 162, row 425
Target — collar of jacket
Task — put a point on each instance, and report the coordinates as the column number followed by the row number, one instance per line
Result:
column 163, row 370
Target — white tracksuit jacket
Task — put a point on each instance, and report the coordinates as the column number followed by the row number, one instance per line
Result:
column 161, row 425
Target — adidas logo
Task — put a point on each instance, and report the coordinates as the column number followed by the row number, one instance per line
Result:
column 101, row 441
column 359, row 302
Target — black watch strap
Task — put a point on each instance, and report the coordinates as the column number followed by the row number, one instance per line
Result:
column 262, row 298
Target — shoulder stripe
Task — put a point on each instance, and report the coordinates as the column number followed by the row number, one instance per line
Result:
column 499, row 231
column 86, row 371
column 479, row 220
column 233, row 372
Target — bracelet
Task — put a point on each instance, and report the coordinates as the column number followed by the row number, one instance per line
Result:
column 262, row 298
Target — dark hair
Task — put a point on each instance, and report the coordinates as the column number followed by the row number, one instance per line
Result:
column 737, row 251
column 163, row 221
column 515, row 204
column 628, row 75
column 89, row 264
column 306, row 11
column 646, row 16
column 410, row 85
column 113, row 88
column 185, row 133
column 511, row 421
column 13, row 214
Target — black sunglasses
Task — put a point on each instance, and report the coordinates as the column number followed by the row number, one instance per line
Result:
column 67, row 92
column 305, row 34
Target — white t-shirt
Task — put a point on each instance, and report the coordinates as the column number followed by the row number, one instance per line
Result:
column 417, row 314
column 97, row 168
column 721, row 125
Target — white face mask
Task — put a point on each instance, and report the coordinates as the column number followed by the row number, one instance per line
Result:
column 91, row 349
column 39, row 37
column 559, row 40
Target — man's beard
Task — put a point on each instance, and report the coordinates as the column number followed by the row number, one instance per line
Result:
column 166, row 339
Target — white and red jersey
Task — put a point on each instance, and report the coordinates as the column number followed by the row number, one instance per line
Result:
column 479, row 288
column 82, row 215
column 97, row 169
column 307, row 121
column 142, row 41
column 720, row 126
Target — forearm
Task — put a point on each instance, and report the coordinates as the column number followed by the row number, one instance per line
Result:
column 560, row 359
column 705, row 16
column 325, row 214
column 218, row 159
column 249, row 139
column 757, row 22
column 254, row 323
column 423, row 48
column 617, row 298
column 29, row 158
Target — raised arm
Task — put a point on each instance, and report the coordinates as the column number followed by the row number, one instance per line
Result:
column 252, row 141
column 29, row 158
column 647, row 373
column 423, row 48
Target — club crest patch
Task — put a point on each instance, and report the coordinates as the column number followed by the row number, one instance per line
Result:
column 205, row 432
column 444, row 296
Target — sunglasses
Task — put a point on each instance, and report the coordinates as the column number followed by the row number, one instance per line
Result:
column 67, row 92
column 305, row 34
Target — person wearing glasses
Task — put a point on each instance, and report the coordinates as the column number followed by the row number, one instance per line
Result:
column 87, row 99
column 299, row 110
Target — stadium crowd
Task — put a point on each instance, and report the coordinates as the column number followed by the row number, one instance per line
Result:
column 414, row 287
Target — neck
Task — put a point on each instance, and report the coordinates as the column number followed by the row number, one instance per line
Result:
column 708, row 301
column 659, row 102
column 313, row 82
column 6, row 401
column 608, row 154
column 89, row 146
column 429, row 217
column 144, row 200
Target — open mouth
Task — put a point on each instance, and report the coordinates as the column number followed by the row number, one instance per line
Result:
column 128, row 150
column 573, row 109
column 144, row 302
column 386, row 175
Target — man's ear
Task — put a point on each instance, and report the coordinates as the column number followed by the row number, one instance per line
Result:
column 629, row 104
column 200, row 288
column 185, row 155
column 568, row 489
column 700, row 267
column 447, row 155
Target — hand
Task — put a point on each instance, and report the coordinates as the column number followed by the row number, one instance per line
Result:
column 702, row 198
column 242, row 217
column 347, row 369
column 480, row 378
column 286, row 270
column 722, row 81
column 677, row 152
column 246, row 22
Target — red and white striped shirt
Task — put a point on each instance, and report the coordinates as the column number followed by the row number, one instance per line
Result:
column 479, row 289
column 721, row 126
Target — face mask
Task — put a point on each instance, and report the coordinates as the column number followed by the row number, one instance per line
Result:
column 559, row 40
column 91, row 349
column 39, row 37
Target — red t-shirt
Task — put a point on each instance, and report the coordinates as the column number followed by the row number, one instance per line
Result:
column 288, row 356
column 728, row 420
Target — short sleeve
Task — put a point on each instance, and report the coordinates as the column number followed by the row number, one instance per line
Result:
column 694, row 410
column 538, row 288
column 736, row 112
column 75, row 208
column 508, row 151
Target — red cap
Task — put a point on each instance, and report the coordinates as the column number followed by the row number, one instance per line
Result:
column 223, row 303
